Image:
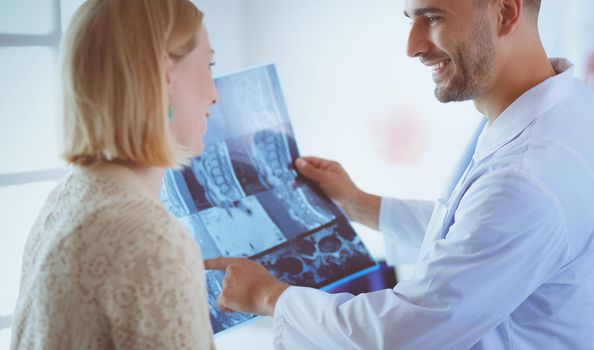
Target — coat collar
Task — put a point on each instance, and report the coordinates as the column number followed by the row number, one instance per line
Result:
column 523, row 111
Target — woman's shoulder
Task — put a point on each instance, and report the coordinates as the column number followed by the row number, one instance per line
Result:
column 89, row 216
column 137, row 219
column 103, row 212
column 113, row 197
column 143, row 223
column 127, row 236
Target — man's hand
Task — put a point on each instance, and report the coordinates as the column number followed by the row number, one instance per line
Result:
column 247, row 287
column 331, row 177
column 337, row 184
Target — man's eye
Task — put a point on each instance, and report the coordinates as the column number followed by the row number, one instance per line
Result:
column 432, row 19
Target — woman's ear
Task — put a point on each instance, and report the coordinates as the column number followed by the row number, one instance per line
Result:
column 169, row 73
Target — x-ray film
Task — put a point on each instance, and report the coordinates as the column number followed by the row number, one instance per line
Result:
column 242, row 197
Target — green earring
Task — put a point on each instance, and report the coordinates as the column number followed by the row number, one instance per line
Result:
column 170, row 114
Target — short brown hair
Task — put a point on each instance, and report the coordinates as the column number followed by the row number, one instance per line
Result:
column 114, row 81
column 532, row 5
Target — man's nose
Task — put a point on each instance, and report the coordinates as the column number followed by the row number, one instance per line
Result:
column 418, row 44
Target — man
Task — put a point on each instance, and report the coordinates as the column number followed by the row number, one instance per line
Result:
column 505, row 260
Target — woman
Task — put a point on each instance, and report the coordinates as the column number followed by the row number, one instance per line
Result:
column 105, row 265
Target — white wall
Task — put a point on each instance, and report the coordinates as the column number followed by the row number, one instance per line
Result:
column 225, row 20
column 567, row 30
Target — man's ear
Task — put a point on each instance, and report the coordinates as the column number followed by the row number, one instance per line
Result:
column 169, row 73
column 510, row 14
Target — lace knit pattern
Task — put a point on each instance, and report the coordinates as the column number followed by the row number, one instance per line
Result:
column 107, row 267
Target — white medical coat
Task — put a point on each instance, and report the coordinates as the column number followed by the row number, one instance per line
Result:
column 506, row 261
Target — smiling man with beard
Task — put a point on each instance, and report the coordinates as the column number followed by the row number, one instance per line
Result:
column 505, row 256
column 462, row 63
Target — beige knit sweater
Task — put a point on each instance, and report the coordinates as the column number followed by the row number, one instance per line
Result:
column 107, row 267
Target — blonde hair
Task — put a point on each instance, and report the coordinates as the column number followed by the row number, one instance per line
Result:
column 114, row 83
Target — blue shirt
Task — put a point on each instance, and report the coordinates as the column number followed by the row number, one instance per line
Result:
column 505, row 261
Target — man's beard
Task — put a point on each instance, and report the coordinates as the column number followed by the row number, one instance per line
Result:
column 472, row 64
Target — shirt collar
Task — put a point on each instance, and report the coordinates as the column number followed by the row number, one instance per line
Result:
column 523, row 111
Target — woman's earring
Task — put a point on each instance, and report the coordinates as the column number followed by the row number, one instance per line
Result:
column 170, row 115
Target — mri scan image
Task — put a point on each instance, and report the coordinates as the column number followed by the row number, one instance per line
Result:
column 242, row 197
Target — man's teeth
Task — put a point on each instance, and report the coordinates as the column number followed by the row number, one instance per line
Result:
column 439, row 65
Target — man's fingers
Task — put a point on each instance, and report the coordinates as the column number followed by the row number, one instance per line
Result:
column 319, row 163
column 219, row 263
column 315, row 161
column 308, row 170
column 222, row 306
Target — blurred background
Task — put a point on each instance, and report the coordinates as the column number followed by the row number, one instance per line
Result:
column 352, row 93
